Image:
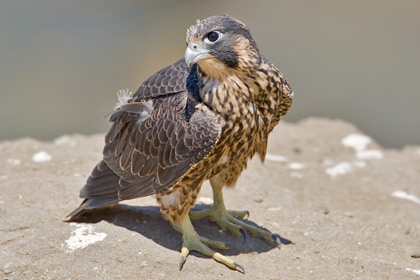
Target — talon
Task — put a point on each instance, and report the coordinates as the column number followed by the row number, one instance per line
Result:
column 244, row 233
column 277, row 239
column 193, row 242
column 184, row 255
column 239, row 267
column 231, row 220
column 181, row 263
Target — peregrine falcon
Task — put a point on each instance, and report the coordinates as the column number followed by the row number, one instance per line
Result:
column 201, row 118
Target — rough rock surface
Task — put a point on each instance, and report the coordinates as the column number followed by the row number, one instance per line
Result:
column 348, row 208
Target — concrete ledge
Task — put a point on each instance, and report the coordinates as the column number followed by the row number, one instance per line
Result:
column 350, row 207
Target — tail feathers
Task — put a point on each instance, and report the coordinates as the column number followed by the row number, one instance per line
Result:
column 90, row 204
column 101, row 190
column 76, row 213
column 102, row 183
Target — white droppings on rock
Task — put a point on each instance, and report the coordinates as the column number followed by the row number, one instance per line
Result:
column 278, row 158
column 65, row 139
column 370, row 154
column 296, row 165
column 206, row 200
column 413, row 270
column 82, row 237
column 344, row 168
column 13, row 161
column 274, row 209
column 41, row 156
column 359, row 143
column 404, row 195
column 339, row 169
column 356, row 141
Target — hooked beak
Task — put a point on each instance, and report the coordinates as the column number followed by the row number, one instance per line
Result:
column 194, row 53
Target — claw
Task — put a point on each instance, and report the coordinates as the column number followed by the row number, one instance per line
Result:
column 244, row 233
column 184, row 255
column 228, row 262
column 239, row 267
column 181, row 263
column 193, row 242
column 277, row 239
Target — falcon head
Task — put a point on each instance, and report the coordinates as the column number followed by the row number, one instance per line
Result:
column 221, row 45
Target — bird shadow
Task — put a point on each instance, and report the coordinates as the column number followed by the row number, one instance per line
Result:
column 148, row 221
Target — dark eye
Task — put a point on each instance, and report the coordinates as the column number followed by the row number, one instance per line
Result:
column 213, row 36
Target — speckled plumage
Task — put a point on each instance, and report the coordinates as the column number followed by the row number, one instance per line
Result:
column 187, row 124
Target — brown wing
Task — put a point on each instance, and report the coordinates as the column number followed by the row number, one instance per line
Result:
column 153, row 148
column 153, row 142
column 170, row 79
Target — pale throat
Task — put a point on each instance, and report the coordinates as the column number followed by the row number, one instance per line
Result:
column 215, row 69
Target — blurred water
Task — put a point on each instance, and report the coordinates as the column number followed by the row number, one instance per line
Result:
column 62, row 62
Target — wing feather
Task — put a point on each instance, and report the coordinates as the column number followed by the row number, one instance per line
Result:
column 101, row 183
column 164, row 146
column 140, row 156
column 171, row 79
column 153, row 141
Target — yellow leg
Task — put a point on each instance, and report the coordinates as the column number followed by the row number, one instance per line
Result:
column 193, row 242
column 228, row 219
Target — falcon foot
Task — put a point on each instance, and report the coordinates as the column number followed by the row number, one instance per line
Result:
column 193, row 242
column 228, row 220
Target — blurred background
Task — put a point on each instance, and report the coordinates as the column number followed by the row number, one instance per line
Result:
column 62, row 62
